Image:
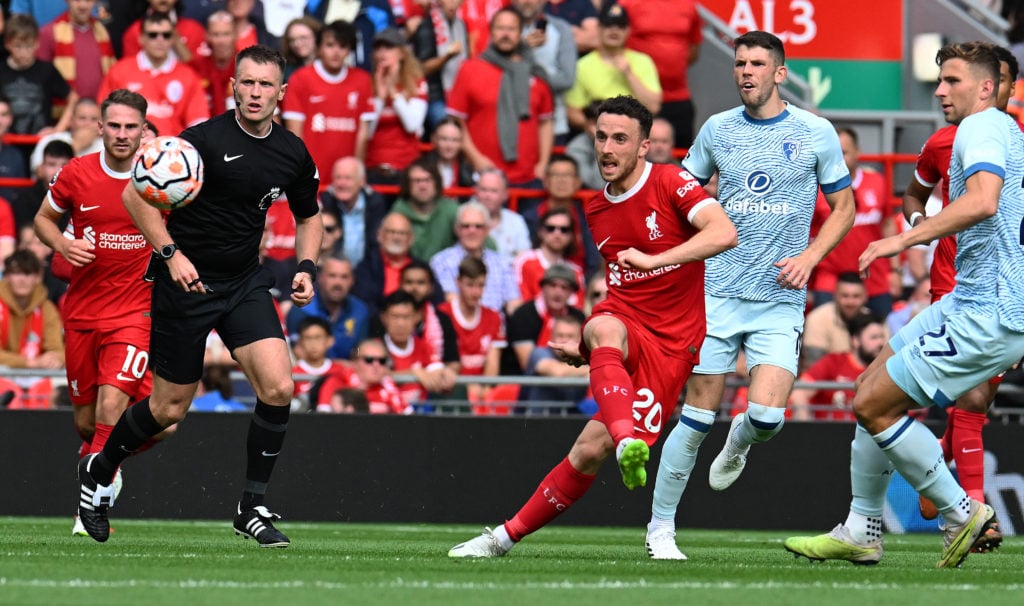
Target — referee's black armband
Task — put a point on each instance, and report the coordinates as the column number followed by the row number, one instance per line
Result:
column 308, row 266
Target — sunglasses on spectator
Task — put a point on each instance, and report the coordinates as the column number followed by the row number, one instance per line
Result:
column 383, row 361
column 565, row 229
column 155, row 35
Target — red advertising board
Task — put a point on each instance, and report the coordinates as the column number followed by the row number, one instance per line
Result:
column 822, row 29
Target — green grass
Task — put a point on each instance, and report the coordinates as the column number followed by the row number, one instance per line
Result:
column 155, row 562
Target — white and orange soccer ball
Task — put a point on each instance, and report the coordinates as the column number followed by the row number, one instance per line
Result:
column 168, row 172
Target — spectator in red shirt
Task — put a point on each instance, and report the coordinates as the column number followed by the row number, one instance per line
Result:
column 372, row 366
column 874, row 220
column 401, row 99
column 365, row 386
column 531, row 324
column 410, row 353
column 173, row 90
column 314, row 339
column 480, row 330
column 329, row 105
column 217, row 68
column 477, row 15
column 867, row 337
column 505, row 102
column 562, row 182
column 556, row 243
column 186, row 45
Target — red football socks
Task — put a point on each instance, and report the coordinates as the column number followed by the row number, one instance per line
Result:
column 99, row 438
column 969, row 451
column 557, row 492
column 613, row 391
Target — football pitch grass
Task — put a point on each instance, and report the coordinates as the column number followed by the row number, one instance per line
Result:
column 156, row 562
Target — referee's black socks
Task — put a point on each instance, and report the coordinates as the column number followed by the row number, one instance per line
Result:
column 135, row 427
column 266, row 437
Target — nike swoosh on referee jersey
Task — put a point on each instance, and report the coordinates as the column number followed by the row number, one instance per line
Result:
column 603, row 242
column 228, row 158
column 270, row 454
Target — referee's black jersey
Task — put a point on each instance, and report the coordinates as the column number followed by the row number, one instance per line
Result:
column 220, row 231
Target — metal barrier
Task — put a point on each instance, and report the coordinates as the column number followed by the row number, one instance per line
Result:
column 1005, row 415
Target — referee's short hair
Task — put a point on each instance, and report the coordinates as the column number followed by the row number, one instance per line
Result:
column 262, row 55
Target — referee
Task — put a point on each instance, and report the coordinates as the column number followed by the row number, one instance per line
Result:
column 208, row 276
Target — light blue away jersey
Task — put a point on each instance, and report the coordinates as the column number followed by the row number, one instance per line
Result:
column 989, row 255
column 769, row 172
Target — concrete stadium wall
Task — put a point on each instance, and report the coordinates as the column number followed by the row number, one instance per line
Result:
column 441, row 470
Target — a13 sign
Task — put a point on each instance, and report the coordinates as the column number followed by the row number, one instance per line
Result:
column 822, row 29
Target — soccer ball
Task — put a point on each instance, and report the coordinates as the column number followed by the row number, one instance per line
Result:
column 168, row 172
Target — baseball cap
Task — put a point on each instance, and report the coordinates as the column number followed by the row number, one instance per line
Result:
column 613, row 15
column 390, row 36
column 561, row 271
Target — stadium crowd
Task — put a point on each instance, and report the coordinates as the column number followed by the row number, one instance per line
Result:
column 454, row 143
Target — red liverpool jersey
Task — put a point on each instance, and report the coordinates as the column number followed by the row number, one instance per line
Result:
column 838, row 367
column 474, row 98
column 871, row 198
column 330, row 108
column 110, row 291
column 174, row 91
column 529, row 267
column 392, row 145
column 475, row 335
column 654, row 216
column 303, row 368
column 415, row 355
column 933, row 167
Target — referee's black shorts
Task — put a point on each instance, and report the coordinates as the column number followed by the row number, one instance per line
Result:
column 242, row 311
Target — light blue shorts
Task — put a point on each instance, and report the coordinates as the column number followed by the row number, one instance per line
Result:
column 944, row 352
column 768, row 332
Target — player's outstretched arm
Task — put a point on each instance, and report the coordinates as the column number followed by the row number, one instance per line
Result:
column 979, row 202
column 150, row 222
column 914, row 200
column 716, row 234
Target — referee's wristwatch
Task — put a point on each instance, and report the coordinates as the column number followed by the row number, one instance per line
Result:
column 167, row 251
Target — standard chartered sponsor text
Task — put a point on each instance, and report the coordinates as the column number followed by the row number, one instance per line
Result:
column 631, row 275
column 121, row 241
